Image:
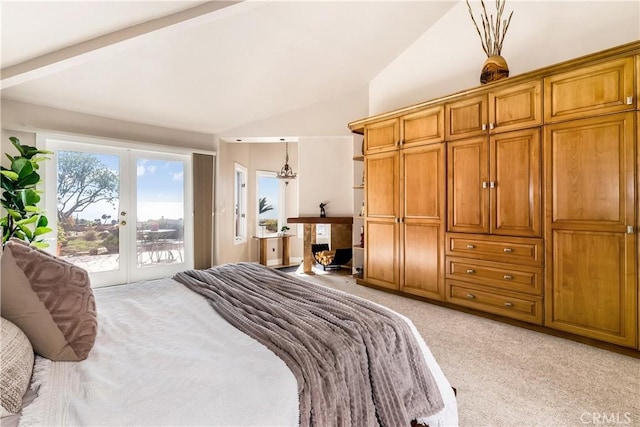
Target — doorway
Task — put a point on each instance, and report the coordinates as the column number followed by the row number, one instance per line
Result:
column 122, row 214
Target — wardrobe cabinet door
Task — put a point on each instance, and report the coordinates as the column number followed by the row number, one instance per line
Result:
column 591, row 284
column 468, row 185
column 598, row 89
column 515, row 182
column 381, row 136
column 381, row 253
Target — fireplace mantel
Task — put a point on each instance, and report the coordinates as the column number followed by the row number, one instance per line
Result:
column 321, row 220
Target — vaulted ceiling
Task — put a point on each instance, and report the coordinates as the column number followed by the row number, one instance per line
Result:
column 201, row 66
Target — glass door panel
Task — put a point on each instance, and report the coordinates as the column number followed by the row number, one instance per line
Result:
column 89, row 212
column 160, row 209
column 160, row 212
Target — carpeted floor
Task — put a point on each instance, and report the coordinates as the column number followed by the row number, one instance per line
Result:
column 509, row 376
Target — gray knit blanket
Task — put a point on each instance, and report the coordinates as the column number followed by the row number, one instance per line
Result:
column 356, row 363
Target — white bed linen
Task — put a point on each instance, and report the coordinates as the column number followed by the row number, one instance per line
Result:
column 163, row 356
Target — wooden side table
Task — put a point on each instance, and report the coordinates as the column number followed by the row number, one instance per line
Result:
column 286, row 257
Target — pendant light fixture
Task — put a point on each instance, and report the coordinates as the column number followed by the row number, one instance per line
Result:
column 286, row 172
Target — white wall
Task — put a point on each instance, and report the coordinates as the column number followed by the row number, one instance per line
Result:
column 327, row 117
column 326, row 165
column 20, row 116
column 448, row 57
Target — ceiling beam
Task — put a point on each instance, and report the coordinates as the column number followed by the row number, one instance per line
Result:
column 72, row 55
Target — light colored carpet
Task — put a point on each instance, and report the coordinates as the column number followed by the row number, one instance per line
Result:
column 509, row 376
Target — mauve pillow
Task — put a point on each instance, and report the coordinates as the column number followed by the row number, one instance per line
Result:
column 50, row 300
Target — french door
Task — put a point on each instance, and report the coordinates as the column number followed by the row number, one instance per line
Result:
column 122, row 214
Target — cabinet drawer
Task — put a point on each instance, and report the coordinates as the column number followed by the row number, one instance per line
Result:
column 508, row 304
column 516, row 250
column 599, row 89
column 519, row 278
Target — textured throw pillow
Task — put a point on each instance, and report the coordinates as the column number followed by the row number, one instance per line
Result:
column 16, row 359
column 50, row 300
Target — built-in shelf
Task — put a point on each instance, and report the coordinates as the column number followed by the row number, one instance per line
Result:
column 358, row 187
column 358, row 247
column 358, row 158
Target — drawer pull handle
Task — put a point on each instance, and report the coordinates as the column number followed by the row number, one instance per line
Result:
column 508, row 277
column 470, row 271
column 508, row 304
column 508, row 250
column 471, row 296
column 471, row 246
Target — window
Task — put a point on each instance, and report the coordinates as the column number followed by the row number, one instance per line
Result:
column 270, row 210
column 240, row 202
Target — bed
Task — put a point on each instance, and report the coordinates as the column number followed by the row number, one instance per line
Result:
column 164, row 354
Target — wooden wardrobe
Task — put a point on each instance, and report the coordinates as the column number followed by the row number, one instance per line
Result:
column 518, row 198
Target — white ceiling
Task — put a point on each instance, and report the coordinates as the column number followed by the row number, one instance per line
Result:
column 184, row 65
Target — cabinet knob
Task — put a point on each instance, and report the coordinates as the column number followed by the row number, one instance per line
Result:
column 491, row 126
column 484, row 126
column 508, row 250
column 471, row 296
column 485, row 184
column 471, row 246
column 508, row 277
column 470, row 271
column 508, row 304
column 629, row 100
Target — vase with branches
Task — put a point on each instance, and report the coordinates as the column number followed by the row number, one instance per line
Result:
column 492, row 38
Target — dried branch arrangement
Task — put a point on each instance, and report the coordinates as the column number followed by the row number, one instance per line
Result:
column 493, row 32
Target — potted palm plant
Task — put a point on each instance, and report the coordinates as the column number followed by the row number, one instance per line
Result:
column 284, row 229
column 24, row 219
